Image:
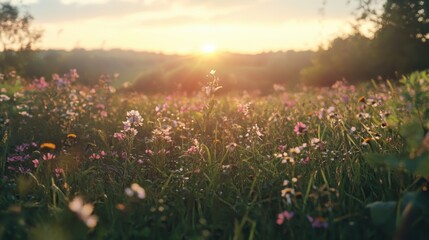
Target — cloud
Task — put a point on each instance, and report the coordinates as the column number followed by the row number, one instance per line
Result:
column 84, row 2
column 24, row 2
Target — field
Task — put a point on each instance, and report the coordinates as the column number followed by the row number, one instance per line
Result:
column 81, row 162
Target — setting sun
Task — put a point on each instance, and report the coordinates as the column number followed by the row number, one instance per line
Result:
column 208, row 48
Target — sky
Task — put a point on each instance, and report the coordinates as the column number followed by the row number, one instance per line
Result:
column 190, row 26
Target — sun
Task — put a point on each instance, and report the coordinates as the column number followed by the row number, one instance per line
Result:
column 208, row 48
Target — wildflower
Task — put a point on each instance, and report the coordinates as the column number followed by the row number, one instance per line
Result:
column 39, row 83
column 71, row 135
column 84, row 211
column 285, row 182
column 296, row 150
column 36, row 163
column 281, row 216
column 300, row 128
column 103, row 114
column 58, row 171
column 4, row 97
column 149, row 152
column 119, row 136
column 47, row 145
column 225, row 167
column 134, row 118
column 103, row 153
column 318, row 222
column 192, row 150
column 231, row 147
column 305, row 160
column 366, row 141
column 282, row 148
column 288, row 159
column 287, row 191
column 135, row 189
column 316, row 143
column 48, row 156
column 133, row 131
column 363, row 115
column 120, row 207
column 94, row 156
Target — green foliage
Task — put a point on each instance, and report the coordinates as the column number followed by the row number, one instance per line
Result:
column 93, row 164
column 357, row 58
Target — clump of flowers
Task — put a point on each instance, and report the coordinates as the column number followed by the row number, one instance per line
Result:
column 21, row 161
column 134, row 119
column 84, row 211
column 213, row 85
column 4, row 97
column 284, row 215
column 135, row 190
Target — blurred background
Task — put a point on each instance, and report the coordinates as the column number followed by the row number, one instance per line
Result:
column 164, row 46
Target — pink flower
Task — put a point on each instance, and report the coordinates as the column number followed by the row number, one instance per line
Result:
column 300, row 128
column 36, row 163
column 281, row 217
column 119, row 136
column 149, row 152
column 305, row 160
column 192, row 150
column 48, row 156
column 94, row 156
column 58, row 172
column 100, row 106
column 103, row 114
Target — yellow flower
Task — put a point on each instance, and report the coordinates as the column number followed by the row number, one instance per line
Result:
column 47, row 145
column 366, row 141
column 71, row 135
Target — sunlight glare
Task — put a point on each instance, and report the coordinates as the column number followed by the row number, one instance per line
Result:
column 208, row 48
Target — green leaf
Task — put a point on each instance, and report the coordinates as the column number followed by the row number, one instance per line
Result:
column 413, row 133
column 382, row 213
column 421, row 165
column 392, row 161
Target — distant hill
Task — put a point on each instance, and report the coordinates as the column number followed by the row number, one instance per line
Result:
column 153, row 72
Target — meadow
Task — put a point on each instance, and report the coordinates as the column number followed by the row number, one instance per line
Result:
column 342, row 162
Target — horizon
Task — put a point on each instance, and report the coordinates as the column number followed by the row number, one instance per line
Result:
column 190, row 27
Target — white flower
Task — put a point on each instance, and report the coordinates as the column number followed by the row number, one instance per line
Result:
column 136, row 190
column 134, row 118
column 84, row 211
column 4, row 97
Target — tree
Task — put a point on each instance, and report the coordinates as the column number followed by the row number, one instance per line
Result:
column 400, row 44
column 17, row 37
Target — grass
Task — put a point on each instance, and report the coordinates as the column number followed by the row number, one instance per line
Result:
column 205, row 166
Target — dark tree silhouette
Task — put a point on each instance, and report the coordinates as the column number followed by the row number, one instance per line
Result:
column 400, row 45
column 17, row 37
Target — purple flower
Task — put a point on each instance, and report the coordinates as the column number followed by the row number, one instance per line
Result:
column 318, row 222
